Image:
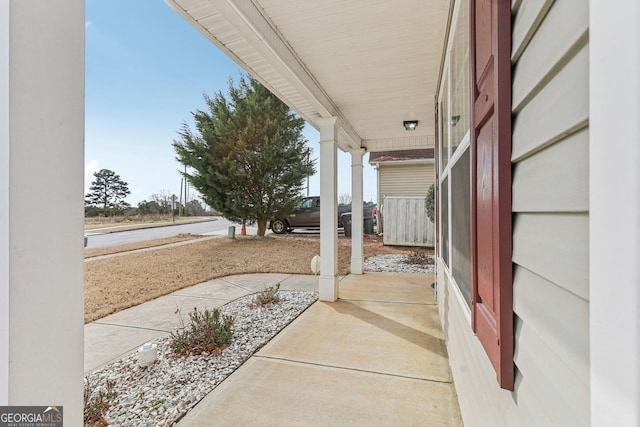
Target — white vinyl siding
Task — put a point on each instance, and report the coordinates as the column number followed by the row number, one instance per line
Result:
column 556, row 247
column 405, row 180
column 550, row 192
column 482, row 402
column 555, row 179
column 550, row 155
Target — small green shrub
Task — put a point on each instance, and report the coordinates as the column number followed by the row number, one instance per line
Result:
column 159, row 401
column 97, row 402
column 208, row 331
column 430, row 203
column 268, row 297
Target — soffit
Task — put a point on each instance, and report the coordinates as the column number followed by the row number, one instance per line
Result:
column 372, row 63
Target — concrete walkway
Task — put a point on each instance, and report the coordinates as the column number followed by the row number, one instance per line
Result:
column 121, row 333
column 375, row 357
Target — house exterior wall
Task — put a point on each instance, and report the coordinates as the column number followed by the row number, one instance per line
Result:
column 550, row 155
column 405, row 180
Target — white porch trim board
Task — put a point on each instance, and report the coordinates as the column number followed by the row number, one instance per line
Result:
column 405, row 143
column 614, row 175
column 357, row 223
column 41, row 168
column 4, row 202
column 328, row 280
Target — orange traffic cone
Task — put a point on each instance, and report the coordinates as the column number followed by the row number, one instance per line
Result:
column 243, row 230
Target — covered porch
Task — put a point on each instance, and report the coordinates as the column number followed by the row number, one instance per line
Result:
column 357, row 100
column 364, row 75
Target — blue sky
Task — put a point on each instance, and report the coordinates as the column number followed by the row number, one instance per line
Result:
column 146, row 71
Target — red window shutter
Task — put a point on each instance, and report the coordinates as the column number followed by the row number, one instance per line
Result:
column 492, row 287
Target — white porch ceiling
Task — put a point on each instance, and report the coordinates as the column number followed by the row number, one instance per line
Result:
column 372, row 63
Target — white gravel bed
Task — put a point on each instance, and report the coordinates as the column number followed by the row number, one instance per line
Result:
column 397, row 263
column 162, row 393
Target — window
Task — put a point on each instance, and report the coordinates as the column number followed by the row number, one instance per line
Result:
column 460, row 88
column 307, row 204
column 455, row 181
column 461, row 224
column 475, row 173
column 444, row 191
column 444, row 148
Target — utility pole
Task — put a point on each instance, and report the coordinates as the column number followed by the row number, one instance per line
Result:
column 186, row 196
column 173, row 207
column 181, row 213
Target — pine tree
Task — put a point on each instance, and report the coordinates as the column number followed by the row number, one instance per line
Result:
column 248, row 154
column 107, row 193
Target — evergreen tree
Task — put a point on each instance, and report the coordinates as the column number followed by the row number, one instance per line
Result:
column 194, row 207
column 107, row 193
column 248, row 154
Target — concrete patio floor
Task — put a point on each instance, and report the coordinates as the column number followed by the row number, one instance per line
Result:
column 375, row 357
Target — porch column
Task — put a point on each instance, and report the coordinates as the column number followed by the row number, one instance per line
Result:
column 4, row 203
column 357, row 260
column 41, row 204
column 328, row 281
column 614, row 212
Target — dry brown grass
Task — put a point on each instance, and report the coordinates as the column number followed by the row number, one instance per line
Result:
column 127, row 247
column 115, row 283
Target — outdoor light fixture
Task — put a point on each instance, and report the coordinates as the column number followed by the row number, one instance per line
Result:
column 410, row 124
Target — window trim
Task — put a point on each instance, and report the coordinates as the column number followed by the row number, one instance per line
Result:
column 451, row 156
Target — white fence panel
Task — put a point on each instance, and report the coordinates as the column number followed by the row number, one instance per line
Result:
column 406, row 223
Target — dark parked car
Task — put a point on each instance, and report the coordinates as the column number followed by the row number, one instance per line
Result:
column 307, row 215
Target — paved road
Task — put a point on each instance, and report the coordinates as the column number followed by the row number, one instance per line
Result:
column 97, row 240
